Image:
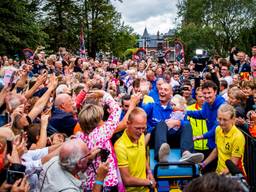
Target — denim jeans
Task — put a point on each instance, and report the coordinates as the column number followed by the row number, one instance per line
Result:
column 182, row 138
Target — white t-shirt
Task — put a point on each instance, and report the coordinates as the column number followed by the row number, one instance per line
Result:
column 33, row 163
column 229, row 79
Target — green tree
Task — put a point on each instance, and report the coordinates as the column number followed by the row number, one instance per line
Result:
column 225, row 19
column 18, row 27
column 62, row 23
column 101, row 25
column 101, row 21
column 122, row 40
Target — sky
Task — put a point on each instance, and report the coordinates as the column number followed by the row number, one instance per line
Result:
column 153, row 14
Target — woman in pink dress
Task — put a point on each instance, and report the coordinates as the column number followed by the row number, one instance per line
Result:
column 97, row 133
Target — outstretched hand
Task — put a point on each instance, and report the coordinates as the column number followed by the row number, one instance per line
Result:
column 53, row 82
column 97, row 94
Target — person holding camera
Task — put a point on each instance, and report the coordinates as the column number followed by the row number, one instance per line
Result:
column 97, row 133
column 73, row 160
column 12, row 173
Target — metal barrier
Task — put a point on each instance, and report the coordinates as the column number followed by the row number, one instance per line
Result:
column 250, row 160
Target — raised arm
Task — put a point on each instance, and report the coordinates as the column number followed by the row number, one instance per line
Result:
column 133, row 103
column 41, row 103
column 113, row 119
column 42, row 141
column 3, row 94
column 40, row 80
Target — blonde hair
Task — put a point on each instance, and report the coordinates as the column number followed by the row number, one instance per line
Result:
column 89, row 117
column 228, row 108
column 237, row 94
column 179, row 101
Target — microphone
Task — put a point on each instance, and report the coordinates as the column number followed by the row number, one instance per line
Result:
column 233, row 168
column 237, row 175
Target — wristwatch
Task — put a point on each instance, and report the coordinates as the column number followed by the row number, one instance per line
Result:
column 150, row 184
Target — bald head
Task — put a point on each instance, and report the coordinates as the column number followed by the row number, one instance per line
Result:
column 73, row 146
column 150, row 75
column 62, row 89
column 64, row 102
column 71, row 152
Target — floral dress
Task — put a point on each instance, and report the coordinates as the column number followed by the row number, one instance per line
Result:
column 100, row 137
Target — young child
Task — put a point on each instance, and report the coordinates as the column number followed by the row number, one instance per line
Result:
column 179, row 104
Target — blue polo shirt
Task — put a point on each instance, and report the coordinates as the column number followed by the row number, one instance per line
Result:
column 156, row 113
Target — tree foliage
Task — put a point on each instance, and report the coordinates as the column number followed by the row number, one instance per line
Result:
column 18, row 27
column 61, row 23
column 58, row 23
column 216, row 25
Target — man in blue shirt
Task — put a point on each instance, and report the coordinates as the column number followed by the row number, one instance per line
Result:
column 208, row 112
column 62, row 120
column 157, row 114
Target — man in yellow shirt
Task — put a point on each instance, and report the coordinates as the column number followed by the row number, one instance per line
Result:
column 131, row 154
column 230, row 142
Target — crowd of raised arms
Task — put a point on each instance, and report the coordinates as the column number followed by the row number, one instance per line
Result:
column 81, row 124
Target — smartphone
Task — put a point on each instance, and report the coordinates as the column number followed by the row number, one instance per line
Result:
column 104, row 153
column 9, row 147
column 13, row 176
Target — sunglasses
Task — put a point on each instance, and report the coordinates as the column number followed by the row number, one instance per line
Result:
column 87, row 155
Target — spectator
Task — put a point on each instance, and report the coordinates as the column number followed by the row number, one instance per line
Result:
column 73, row 159
column 236, row 79
column 125, row 103
column 224, row 89
column 97, row 133
column 131, row 154
column 237, row 99
column 175, row 79
column 62, row 119
column 63, row 89
column 37, row 65
column 247, row 88
column 187, row 92
column 213, row 182
column 151, row 78
column 253, row 61
column 225, row 73
column 185, row 75
column 244, row 68
column 154, row 93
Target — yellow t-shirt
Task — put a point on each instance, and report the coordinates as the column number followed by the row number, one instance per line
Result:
column 133, row 156
column 230, row 145
column 147, row 99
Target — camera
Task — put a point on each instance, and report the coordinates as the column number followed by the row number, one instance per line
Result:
column 177, row 90
column 104, row 153
column 15, row 172
column 200, row 59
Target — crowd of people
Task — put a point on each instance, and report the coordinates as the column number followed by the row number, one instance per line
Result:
column 82, row 124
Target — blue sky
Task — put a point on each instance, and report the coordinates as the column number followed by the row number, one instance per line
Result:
column 153, row 14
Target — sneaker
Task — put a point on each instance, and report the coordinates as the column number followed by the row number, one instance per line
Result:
column 188, row 157
column 164, row 152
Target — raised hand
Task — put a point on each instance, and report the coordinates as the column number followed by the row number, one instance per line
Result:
column 21, row 185
column 53, row 82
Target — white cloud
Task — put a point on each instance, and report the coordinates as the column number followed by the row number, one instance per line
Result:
column 153, row 14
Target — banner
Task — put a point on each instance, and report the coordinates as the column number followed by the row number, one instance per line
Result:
column 82, row 43
column 179, row 51
column 28, row 53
